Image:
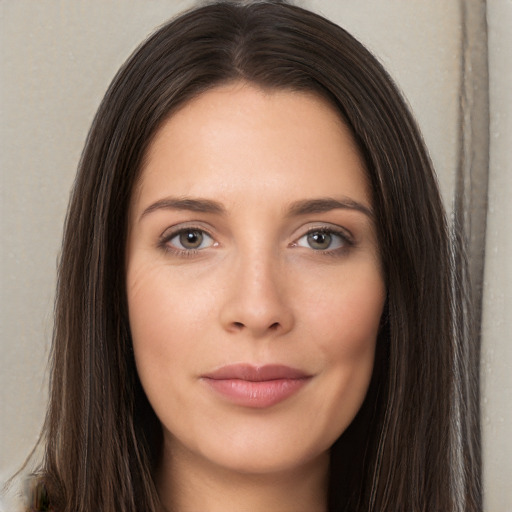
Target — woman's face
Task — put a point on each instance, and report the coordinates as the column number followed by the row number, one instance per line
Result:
column 253, row 278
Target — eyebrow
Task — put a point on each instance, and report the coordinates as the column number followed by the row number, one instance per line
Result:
column 326, row 204
column 298, row 208
column 186, row 203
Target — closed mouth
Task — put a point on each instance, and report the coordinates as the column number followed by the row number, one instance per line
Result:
column 256, row 386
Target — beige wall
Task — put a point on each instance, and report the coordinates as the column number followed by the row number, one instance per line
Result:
column 497, row 318
column 56, row 60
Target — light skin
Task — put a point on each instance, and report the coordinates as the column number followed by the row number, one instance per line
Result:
column 252, row 240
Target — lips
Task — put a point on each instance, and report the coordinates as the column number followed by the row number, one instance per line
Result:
column 256, row 386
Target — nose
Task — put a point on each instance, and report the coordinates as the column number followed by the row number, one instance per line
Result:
column 256, row 300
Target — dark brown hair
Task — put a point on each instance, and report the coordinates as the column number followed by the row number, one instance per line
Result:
column 414, row 445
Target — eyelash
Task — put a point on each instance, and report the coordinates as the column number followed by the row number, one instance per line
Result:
column 166, row 237
column 347, row 241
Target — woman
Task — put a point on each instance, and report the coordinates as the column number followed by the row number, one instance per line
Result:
column 258, row 306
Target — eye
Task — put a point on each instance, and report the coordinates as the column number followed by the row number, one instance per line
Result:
column 189, row 240
column 323, row 240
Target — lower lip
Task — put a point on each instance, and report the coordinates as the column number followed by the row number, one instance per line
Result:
column 257, row 395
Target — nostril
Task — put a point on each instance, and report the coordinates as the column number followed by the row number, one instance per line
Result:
column 240, row 326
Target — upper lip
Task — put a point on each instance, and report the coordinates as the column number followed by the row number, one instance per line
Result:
column 256, row 373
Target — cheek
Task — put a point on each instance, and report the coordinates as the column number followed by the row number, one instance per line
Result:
column 344, row 322
column 344, row 316
column 160, row 305
column 162, row 315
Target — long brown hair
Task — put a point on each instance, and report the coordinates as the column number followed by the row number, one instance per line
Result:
column 414, row 445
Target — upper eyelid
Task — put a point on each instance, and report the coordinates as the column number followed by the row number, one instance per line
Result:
column 328, row 227
column 174, row 230
column 345, row 240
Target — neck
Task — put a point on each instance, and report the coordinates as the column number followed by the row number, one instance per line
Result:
column 187, row 483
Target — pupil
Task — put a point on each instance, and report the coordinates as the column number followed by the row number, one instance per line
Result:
column 319, row 240
column 191, row 239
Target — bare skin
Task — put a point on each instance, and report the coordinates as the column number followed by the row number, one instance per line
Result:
column 252, row 245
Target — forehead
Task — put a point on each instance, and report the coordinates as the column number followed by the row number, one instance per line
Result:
column 241, row 139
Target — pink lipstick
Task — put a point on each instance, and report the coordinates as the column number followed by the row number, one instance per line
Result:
column 256, row 386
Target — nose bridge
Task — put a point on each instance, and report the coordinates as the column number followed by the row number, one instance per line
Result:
column 259, row 276
column 256, row 300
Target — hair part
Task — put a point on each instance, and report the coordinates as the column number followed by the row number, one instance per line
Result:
column 414, row 445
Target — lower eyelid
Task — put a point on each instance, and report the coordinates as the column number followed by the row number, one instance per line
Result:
column 166, row 237
column 345, row 238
